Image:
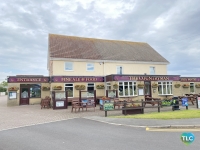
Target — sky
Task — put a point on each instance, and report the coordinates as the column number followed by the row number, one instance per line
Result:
column 171, row 27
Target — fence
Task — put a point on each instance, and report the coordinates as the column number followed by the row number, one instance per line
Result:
column 130, row 108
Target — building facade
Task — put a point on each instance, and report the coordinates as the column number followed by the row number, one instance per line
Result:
column 134, row 69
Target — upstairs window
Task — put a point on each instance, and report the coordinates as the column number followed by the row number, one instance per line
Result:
column 152, row 70
column 90, row 67
column 119, row 70
column 68, row 66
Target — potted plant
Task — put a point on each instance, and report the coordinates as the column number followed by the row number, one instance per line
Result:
column 177, row 85
column 101, row 86
column 80, row 87
column 45, row 88
column 13, row 88
column 115, row 86
column 57, row 87
column 185, row 85
column 140, row 85
column 154, row 85
column 197, row 85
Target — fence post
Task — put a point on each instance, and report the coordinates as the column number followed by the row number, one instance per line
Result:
column 186, row 107
column 158, row 105
column 197, row 102
column 125, row 107
column 105, row 113
column 142, row 106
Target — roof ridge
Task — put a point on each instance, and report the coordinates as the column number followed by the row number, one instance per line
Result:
column 51, row 34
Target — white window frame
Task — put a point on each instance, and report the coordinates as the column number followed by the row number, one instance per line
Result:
column 72, row 65
column 152, row 70
column 88, row 66
column 89, row 86
column 193, row 87
column 133, row 84
column 70, row 86
column 119, row 69
column 168, row 83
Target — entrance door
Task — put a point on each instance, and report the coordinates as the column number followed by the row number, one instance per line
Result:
column 147, row 88
column 24, row 95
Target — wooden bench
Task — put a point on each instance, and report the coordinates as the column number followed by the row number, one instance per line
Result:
column 46, row 102
column 76, row 105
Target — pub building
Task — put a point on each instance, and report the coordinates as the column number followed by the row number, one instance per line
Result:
column 100, row 67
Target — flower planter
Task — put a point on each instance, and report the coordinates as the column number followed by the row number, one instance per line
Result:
column 177, row 85
column 57, row 88
column 13, row 88
column 136, row 110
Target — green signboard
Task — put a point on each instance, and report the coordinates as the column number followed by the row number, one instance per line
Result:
column 108, row 106
column 166, row 103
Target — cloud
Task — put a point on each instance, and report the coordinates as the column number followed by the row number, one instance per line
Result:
column 171, row 28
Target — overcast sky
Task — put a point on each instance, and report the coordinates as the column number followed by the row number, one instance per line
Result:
column 171, row 27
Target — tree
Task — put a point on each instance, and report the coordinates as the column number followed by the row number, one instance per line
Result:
column 4, row 84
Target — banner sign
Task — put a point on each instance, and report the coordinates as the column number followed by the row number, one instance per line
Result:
column 108, row 106
column 28, row 79
column 190, row 79
column 184, row 101
column 146, row 78
column 77, row 79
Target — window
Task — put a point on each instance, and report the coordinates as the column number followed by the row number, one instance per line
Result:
column 165, row 88
column 127, row 89
column 68, row 66
column 108, row 86
column 119, row 70
column 90, row 67
column 35, row 90
column 191, row 87
column 90, row 89
column 152, row 70
column 70, row 89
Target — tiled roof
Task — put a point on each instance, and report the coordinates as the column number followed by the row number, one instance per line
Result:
column 61, row 46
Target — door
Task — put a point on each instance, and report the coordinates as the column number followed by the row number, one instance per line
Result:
column 147, row 88
column 24, row 95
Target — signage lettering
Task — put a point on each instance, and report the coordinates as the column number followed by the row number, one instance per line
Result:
column 28, row 79
column 78, row 79
column 148, row 78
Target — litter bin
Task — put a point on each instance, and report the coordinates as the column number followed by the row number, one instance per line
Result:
column 175, row 103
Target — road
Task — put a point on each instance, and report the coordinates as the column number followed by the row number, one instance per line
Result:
column 79, row 133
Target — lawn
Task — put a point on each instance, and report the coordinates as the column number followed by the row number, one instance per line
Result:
column 180, row 114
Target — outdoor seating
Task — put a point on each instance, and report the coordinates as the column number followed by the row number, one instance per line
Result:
column 117, row 103
column 76, row 105
column 90, row 104
column 45, row 102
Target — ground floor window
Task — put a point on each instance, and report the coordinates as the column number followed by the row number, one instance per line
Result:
column 35, row 90
column 90, row 89
column 191, row 87
column 127, row 89
column 108, row 86
column 165, row 88
column 70, row 88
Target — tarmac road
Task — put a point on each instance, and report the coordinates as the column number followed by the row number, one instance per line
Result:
column 80, row 133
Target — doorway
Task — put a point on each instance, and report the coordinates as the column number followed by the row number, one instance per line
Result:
column 24, row 94
column 147, row 88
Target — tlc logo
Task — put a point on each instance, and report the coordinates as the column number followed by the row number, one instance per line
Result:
column 187, row 138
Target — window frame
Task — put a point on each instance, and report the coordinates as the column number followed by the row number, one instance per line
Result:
column 120, row 71
column 71, row 64
column 30, row 90
column 69, row 86
column 162, row 86
column 154, row 69
column 90, row 90
column 89, row 64
column 134, row 89
column 192, row 86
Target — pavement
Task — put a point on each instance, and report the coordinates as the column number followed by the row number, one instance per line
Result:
column 27, row 115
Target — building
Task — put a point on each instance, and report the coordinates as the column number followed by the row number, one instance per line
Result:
column 134, row 69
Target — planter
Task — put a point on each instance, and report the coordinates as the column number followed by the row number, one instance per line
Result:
column 45, row 88
column 177, row 85
column 100, row 86
column 13, row 88
column 184, row 86
column 115, row 86
column 57, row 88
column 136, row 110
column 80, row 87
column 197, row 86
column 140, row 86
column 154, row 85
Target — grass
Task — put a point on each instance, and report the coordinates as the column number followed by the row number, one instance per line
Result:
column 180, row 114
